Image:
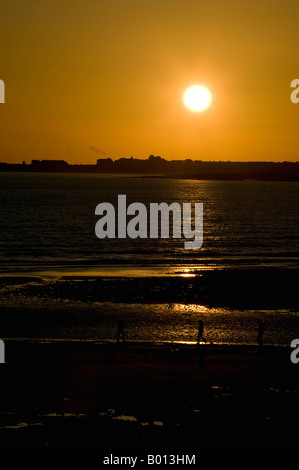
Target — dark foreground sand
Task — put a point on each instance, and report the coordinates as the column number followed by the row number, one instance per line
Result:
column 146, row 396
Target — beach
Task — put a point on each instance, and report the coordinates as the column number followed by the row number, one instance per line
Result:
column 80, row 394
column 156, row 308
column 149, row 248
column 67, row 384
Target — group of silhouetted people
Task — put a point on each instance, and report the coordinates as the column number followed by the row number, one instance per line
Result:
column 200, row 336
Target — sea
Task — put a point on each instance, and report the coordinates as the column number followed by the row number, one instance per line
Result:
column 49, row 251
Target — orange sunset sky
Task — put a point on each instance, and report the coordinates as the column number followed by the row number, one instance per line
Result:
column 88, row 79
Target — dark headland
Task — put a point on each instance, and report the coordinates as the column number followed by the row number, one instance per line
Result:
column 156, row 166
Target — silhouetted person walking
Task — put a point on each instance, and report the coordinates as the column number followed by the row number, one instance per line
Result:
column 200, row 336
column 120, row 331
column 260, row 332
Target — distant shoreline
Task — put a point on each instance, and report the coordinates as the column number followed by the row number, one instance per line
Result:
column 157, row 167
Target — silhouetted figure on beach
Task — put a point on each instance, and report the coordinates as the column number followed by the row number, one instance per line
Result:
column 120, row 331
column 260, row 332
column 200, row 336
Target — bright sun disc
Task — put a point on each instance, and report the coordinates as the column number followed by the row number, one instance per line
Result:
column 197, row 98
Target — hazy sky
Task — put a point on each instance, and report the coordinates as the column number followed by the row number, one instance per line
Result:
column 85, row 79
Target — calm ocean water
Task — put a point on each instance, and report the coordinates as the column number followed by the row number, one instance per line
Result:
column 48, row 223
column 48, row 230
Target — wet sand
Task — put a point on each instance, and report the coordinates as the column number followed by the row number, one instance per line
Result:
column 269, row 288
column 73, row 394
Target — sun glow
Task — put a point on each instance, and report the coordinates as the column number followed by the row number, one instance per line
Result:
column 197, row 98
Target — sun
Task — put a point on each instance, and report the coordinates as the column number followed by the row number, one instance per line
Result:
column 197, row 98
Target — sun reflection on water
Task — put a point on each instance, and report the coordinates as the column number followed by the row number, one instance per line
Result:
column 189, row 308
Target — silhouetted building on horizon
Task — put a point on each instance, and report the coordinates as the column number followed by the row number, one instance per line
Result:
column 49, row 165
